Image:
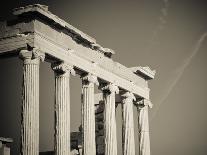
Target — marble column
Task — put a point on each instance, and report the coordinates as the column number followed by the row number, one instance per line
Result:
column 62, row 107
column 128, row 124
column 30, row 101
column 143, row 122
column 88, row 114
column 110, row 119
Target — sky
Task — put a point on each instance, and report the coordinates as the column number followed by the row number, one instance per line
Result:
column 166, row 35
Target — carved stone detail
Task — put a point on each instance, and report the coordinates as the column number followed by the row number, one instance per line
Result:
column 57, row 37
column 143, row 122
column 110, row 88
column 128, row 97
column 89, row 78
column 144, row 102
column 128, row 124
column 88, row 114
column 63, row 69
column 62, row 108
column 110, row 119
column 30, row 103
column 34, row 56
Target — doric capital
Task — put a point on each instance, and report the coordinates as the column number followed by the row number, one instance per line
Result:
column 33, row 56
column 143, row 103
column 90, row 78
column 63, row 68
column 110, row 88
column 128, row 97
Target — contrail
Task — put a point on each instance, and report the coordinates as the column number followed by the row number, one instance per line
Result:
column 161, row 25
column 180, row 71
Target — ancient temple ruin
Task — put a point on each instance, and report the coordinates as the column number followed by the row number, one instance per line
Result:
column 36, row 35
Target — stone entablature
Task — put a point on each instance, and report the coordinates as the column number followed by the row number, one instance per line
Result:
column 37, row 35
column 47, row 32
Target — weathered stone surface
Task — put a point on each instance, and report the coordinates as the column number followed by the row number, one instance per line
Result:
column 110, row 119
column 36, row 29
column 143, row 122
column 74, row 152
column 101, row 149
column 100, row 132
column 128, row 124
column 88, row 114
column 76, row 140
column 43, row 11
column 74, row 136
column 53, row 40
column 100, row 128
column 22, row 28
column 99, row 117
column 62, row 108
column 144, row 72
column 100, row 140
column 99, row 108
column 30, row 103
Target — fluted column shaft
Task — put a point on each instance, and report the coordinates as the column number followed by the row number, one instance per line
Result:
column 88, row 114
column 128, row 124
column 30, row 102
column 143, row 122
column 110, row 119
column 62, row 108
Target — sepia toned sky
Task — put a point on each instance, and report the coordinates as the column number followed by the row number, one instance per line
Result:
column 169, row 36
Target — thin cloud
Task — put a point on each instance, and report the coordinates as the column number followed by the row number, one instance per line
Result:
column 179, row 72
column 162, row 22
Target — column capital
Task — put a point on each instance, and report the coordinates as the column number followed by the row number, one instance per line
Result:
column 90, row 78
column 144, row 102
column 63, row 68
column 33, row 56
column 128, row 97
column 110, row 88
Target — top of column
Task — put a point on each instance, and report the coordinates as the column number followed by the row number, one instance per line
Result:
column 144, row 102
column 63, row 69
column 34, row 56
column 128, row 97
column 110, row 88
column 90, row 78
